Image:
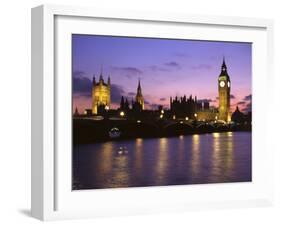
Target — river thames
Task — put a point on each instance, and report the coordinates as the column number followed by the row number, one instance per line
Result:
column 189, row 159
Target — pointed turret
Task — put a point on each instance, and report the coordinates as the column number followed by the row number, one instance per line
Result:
column 94, row 80
column 108, row 80
column 126, row 104
column 122, row 103
column 76, row 113
column 101, row 78
column 139, row 88
column 223, row 68
column 139, row 97
column 223, row 63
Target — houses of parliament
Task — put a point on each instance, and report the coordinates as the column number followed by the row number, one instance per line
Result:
column 101, row 97
column 180, row 107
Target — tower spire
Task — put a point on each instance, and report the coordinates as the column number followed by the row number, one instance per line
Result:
column 223, row 66
column 101, row 72
column 139, row 87
column 139, row 97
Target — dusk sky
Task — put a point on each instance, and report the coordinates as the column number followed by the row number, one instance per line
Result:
column 166, row 68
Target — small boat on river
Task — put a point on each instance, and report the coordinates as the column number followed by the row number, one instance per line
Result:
column 114, row 133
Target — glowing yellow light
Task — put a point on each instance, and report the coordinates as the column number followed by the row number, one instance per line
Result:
column 216, row 117
column 122, row 113
column 107, row 107
column 216, row 135
column 181, row 122
column 85, row 112
column 195, row 138
column 195, row 115
column 162, row 111
column 139, row 121
column 229, row 134
column 161, row 116
column 186, row 118
column 174, row 117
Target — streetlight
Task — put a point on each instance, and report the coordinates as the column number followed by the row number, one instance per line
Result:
column 186, row 118
column 161, row 116
column 162, row 111
column 195, row 115
column 174, row 117
column 122, row 113
column 106, row 115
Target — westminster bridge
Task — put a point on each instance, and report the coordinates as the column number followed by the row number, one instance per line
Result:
column 89, row 129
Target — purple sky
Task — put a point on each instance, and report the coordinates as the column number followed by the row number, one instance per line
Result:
column 166, row 68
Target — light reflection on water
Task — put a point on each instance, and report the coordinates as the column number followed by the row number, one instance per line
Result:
column 195, row 155
column 206, row 158
column 162, row 161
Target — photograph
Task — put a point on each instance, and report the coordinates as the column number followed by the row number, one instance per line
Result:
column 150, row 111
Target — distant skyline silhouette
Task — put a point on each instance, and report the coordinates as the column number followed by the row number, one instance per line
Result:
column 166, row 67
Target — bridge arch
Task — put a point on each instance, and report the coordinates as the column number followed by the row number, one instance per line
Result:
column 178, row 128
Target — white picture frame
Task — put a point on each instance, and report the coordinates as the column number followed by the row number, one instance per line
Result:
column 52, row 198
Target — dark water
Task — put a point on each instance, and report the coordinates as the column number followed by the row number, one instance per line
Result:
column 191, row 159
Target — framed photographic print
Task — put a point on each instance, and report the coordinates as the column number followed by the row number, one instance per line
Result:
column 139, row 112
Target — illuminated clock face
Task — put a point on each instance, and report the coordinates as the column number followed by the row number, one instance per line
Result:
column 222, row 84
column 228, row 84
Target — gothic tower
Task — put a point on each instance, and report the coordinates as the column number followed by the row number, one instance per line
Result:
column 224, row 94
column 100, row 94
column 139, row 97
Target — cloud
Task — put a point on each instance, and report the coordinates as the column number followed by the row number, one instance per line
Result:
column 248, row 107
column 128, row 71
column 247, row 103
column 172, row 64
column 162, row 99
column 116, row 92
column 154, row 106
column 146, row 102
column 81, row 86
column 180, row 54
column 201, row 67
column 248, row 97
column 78, row 73
column 157, row 68
column 132, row 94
column 241, row 102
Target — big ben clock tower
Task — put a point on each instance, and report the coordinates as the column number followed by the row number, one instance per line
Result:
column 224, row 94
